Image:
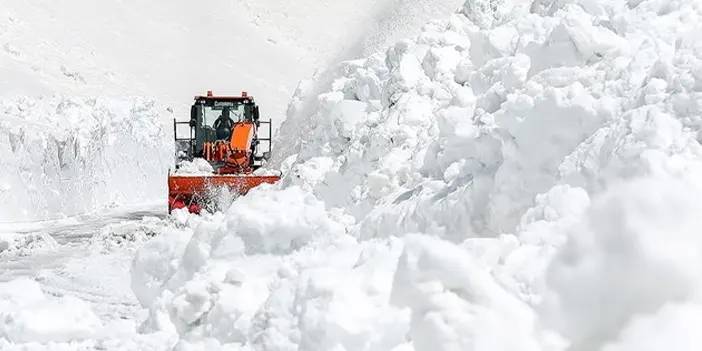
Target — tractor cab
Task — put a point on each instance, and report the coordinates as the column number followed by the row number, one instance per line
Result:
column 214, row 120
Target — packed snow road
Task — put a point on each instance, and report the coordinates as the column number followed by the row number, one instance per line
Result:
column 82, row 263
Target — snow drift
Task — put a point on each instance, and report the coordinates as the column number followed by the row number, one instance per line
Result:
column 64, row 156
column 522, row 176
column 28, row 315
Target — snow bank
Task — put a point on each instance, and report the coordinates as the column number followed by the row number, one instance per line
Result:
column 456, row 304
column 26, row 314
column 633, row 253
column 272, row 222
column 238, row 278
column 128, row 234
column 64, row 156
column 543, row 157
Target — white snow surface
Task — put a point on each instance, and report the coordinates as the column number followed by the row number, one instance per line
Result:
column 64, row 285
column 196, row 166
column 62, row 156
column 28, row 315
column 521, row 176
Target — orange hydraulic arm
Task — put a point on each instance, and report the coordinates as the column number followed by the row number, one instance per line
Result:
column 237, row 152
column 240, row 145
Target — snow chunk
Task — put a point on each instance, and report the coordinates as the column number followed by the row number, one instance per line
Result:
column 155, row 262
column 25, row 244
column 196, row 166
column 674, row 327
column 641, row 238
column 490, row 13
column 27, row 315
column 456, row 304
column 279, row 221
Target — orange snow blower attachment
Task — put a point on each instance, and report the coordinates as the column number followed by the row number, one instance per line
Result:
column 223, row 135
column 193, row 192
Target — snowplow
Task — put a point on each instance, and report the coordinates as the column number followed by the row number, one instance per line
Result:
column 226, row 135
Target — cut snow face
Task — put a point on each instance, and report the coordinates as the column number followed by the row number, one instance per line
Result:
column 65, row 156
column 521, row 176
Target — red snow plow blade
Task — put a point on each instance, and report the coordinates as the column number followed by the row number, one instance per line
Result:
column 193, row 191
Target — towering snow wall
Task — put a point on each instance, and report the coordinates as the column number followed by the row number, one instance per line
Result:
column 64, row 156
column 522, row 176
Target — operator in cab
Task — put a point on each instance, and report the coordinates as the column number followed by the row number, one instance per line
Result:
column 223, row 125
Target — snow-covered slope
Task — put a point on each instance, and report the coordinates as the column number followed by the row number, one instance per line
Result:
column 172, row 50
column 522, row 176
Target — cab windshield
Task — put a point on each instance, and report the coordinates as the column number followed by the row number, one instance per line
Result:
column 211, row 113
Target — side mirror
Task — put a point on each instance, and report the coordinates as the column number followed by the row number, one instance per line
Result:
column 256, row 114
